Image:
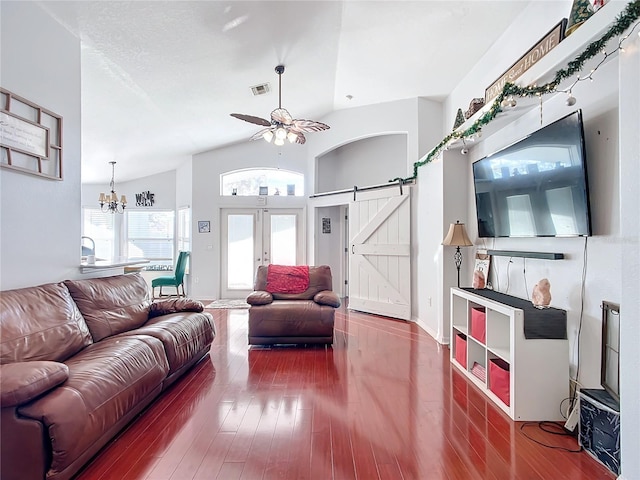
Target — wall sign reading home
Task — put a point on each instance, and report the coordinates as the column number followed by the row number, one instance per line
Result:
column 145, row 199
column 539, row 50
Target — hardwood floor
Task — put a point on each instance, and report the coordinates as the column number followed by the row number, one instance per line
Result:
column 382, row 403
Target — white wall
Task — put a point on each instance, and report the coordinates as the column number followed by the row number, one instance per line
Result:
column 347, row 126
column 442, row 199
column 611, row 117
column 599, row 108
column 330, row 245
column 184, row 191
column 184, row 185
column 629, row 261
column 419, row 120
column 39, row 218
column 536, row 19
column 364, row 162
column 207, row 202
column 599, row 101
column 427, row 251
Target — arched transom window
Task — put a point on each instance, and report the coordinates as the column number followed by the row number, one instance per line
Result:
column 262, row 181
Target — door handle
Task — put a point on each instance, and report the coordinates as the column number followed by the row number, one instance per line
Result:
column 352, row 251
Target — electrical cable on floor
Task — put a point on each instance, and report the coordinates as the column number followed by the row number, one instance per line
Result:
column 545, row 427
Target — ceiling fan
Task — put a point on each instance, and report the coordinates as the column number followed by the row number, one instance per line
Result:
column 282, row 125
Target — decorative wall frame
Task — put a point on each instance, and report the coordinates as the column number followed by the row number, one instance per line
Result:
column 30, row 137
column 204, row 226
column 326, row 225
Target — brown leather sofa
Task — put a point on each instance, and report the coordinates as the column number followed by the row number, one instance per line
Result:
column 79, row 360
column 293, row 318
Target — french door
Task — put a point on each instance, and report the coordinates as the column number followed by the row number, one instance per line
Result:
column 253, row 237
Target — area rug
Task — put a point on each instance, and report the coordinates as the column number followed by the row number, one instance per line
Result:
column 228, row 304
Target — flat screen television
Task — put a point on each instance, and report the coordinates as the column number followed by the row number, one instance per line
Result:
column 536, row 187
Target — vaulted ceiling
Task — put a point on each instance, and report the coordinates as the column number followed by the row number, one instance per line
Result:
column 159, row 79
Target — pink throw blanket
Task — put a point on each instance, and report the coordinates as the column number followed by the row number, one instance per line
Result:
column 287, row 279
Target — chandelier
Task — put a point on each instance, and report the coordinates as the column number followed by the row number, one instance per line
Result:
column 109, row 202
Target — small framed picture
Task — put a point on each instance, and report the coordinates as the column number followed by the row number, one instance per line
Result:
column 264, row 191
column 481, row 270
column 204, row 226
column 326, row 225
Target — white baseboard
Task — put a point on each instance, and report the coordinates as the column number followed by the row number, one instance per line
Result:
column 433, row 333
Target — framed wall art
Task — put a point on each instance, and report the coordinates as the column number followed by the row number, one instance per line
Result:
column 204, row 226
column 30, row 137
column 326, row 225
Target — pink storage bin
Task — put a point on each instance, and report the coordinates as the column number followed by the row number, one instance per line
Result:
column 499, row 379
column 461, row 349
column 479, row 324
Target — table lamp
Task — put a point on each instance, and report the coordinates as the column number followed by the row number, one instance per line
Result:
column 457, row 237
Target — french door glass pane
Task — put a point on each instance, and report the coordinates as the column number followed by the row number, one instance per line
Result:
column 283, row 239
column 240, row 248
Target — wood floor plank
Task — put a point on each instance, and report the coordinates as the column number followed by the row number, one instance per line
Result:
column 230, row 471
column 321, row 454
column 213, row 458
column 383, row 402
column 300, row 447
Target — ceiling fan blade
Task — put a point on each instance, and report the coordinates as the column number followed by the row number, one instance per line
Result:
column 309, row 126
column 300, row 138
column 258, row 135
column 252, row 119
column 281, row 115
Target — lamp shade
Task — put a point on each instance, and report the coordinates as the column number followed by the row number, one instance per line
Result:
column 457, row 236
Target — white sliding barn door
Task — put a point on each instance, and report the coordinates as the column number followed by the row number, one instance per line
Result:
column 379, row 253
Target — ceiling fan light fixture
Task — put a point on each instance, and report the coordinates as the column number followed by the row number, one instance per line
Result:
column 268, row 136
column 282, row 125
column 281, row 133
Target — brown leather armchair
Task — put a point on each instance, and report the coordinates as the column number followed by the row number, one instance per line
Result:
column 293, row 318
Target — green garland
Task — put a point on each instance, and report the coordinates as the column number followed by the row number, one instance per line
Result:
column 630, row 14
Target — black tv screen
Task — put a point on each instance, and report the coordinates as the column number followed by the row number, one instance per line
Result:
column 536, row 187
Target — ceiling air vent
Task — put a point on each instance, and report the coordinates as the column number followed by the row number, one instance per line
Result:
column 260, row 89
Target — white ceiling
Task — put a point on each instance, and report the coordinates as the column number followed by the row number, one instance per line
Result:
column 159, row 79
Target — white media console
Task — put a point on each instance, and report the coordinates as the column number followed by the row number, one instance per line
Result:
column 530, row 342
